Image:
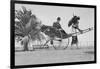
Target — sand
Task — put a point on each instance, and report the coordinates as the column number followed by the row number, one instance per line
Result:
column 44, row 56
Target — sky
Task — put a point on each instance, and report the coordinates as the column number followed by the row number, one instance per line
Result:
column 48, row 15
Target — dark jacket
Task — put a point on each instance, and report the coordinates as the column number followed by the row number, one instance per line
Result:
column 56, row 25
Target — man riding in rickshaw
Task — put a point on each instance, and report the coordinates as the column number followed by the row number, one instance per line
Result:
column 57, row 26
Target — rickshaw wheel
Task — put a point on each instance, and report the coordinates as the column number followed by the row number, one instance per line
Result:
column 61, row 44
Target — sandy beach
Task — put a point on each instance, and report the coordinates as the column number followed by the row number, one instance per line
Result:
column 45, row 56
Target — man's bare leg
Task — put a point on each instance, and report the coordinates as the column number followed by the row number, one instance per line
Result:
column 77, row 46
column 72, row 46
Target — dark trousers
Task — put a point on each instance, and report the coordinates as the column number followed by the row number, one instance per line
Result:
column 74, row 40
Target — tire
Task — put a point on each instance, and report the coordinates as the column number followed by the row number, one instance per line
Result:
column 63, row 44
column 59, row 44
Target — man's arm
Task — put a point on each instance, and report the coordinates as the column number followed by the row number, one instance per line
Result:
column 79, row 30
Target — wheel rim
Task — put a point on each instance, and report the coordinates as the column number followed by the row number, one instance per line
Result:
column 61, row 44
